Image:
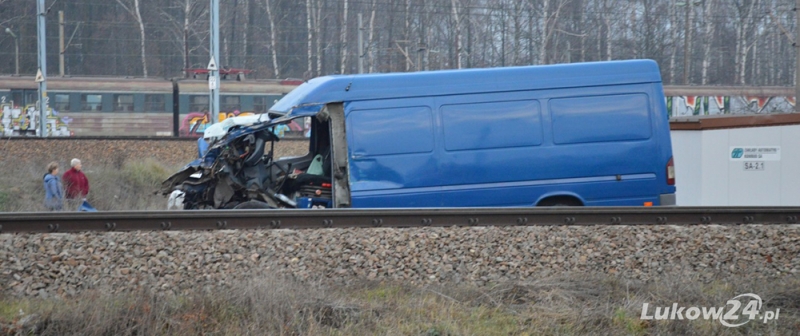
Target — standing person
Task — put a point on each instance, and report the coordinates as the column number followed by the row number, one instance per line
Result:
column 53, row 192
column 76, row 185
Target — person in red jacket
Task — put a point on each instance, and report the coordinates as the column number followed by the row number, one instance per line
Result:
column 76, row 185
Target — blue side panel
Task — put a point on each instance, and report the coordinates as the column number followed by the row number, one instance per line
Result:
column 493, row 150
column 391, row 144
column 505, row 176
column 501, row 137
column 488, row 125
column 390, row 131
column 601, row 119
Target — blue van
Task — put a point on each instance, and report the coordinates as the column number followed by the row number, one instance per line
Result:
column 593, row 134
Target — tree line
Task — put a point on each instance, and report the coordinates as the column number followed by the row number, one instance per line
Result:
column 703, row 42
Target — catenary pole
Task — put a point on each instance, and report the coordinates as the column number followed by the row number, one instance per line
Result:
column 797, row 57
column 41, row 74
column 213, row 65
column 61, row 43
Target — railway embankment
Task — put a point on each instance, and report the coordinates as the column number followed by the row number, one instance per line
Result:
column 113, row 151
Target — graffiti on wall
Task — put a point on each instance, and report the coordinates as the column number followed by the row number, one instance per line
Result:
column 195, row 123
column 682, row 106
column 25, row 121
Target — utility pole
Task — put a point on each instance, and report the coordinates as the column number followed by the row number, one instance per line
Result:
column 213, row 68
column 61, row 43
column 41, row 74
column 361, row 44
column 797, row 57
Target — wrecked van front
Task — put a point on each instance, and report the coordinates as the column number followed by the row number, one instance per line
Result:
column 238, row 170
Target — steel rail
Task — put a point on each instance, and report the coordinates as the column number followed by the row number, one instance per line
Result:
column 39, row 222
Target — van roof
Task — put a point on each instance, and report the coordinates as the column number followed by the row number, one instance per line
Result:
column 340, row 88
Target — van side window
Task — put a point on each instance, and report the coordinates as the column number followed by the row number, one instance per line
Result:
column 487, row 125
column 403, row 130
column 601, row 119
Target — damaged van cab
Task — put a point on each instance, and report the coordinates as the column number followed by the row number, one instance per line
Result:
column 569, row 134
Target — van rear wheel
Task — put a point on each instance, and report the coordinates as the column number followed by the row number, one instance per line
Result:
column 560, row 201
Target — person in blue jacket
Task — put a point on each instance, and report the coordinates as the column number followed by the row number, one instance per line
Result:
column 53, row 191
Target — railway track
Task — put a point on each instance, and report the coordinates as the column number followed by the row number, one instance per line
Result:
column 41, row 222
column 123, row 137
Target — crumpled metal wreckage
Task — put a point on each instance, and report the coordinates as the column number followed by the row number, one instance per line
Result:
column 237, row 169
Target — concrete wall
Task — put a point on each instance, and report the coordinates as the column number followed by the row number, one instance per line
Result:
column 709, row 173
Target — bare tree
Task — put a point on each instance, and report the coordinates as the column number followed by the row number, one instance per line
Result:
column 607, row 12
column 673, row 38
column 310, row 33
column 245, row 31
column 318, row 37
column 406, row 35
column 517, row 27
column 457, row 20
column 550, row 12
column 133, row 9
column 371, row 38
column 272, row 39
column 187, row 26
column 687, row 49
column 745, row 11
column 709, row 32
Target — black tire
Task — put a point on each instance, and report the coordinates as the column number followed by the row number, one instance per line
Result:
column 560, row 202
column 253, row 205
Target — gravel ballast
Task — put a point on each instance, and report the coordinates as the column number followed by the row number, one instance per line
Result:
column 64, row 265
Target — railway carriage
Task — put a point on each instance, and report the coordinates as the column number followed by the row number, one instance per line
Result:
column 104, row 106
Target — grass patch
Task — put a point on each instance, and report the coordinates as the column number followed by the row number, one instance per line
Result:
column 566, row 305
column 131, row 186
column 632, row 325
column 4, row 200
column 145, row 174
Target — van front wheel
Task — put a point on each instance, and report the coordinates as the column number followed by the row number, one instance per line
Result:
column 253, row 205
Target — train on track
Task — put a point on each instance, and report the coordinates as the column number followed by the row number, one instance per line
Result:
column 122, row 106
column 117, row 106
